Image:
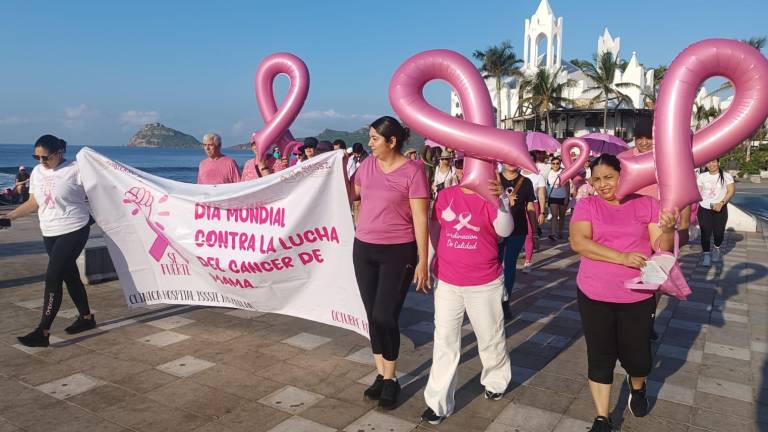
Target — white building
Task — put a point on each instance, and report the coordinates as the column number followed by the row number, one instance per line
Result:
column 543, row 47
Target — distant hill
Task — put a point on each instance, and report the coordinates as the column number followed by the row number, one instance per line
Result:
column 360, row 135
column 157, row 135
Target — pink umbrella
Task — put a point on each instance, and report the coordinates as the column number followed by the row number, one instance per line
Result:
column 541, row 141
column 430, row 143
column 605, row 143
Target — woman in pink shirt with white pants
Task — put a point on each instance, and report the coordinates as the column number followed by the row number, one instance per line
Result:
column 615, row 238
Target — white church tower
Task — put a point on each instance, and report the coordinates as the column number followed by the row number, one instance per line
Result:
column 606, row 43
column 543, row 26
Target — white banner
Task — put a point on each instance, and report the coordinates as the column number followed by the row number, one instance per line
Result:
column 279, row 244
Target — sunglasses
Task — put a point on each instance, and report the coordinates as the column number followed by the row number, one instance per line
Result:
column 44, row 158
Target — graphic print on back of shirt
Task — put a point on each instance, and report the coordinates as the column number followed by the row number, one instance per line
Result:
column 458, row 240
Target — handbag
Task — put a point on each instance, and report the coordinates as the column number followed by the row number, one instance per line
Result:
column 662, row 272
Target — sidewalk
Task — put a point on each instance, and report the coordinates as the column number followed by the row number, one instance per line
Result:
column 183, row 368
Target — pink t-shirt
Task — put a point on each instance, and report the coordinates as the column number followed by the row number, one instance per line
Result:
column 218, row 171
column 467, row 251
column 250, row 171
column 622, row 227
column 385, row 210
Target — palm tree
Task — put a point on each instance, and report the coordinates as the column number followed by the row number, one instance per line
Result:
column 756, row 42
column 652, row 93
column 700, row 114
column 544, row 92
column 601, row 72
column 498, row 62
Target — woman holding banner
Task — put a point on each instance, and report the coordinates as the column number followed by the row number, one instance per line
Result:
column 58, row 196
column 390, row 249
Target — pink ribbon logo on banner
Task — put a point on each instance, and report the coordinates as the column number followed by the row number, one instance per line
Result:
column 677, row 151
column 475, row 135
column 277, row 121
column 142, row 199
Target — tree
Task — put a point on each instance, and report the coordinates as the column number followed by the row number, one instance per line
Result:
column 653, row 93
column 601, row 72
column 498, row 62
column 543, row 91
column 756, row 42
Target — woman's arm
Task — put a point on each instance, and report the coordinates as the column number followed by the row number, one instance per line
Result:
column 662, row 234
column 30, row 206
column 504, row 224
column 582, row 244
column 419, row 208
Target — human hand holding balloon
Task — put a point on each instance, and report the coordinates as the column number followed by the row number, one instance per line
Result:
column 475, row 135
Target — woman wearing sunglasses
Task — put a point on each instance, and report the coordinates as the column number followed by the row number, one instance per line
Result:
column 558, row 198
column 58, row 196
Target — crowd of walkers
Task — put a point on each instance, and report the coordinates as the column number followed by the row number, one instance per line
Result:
column 415, row 222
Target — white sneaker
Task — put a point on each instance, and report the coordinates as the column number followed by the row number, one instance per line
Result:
column 716, row 256
column 707, row 260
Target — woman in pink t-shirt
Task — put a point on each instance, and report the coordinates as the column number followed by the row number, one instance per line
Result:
column 614, row 238
column 465, row 229
column 390, row 249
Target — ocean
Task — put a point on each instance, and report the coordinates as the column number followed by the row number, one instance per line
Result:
column 174, row 164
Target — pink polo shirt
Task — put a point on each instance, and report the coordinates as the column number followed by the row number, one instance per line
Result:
column 622, row 227
column 218, row 171
column 385, row 210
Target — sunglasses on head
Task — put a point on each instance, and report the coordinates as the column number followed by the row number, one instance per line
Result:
column 44, row 158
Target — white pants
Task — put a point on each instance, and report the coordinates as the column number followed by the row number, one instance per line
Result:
column 483, row 306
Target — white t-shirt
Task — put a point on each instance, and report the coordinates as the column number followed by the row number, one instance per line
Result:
column 712, row 190
column 61, row 199
column 537, row 180
column 555, row 186
column 544, row 168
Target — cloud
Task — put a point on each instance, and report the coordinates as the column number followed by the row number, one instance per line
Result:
column 16, row 120
column 332, row 114
column 138, row 118
column 238, row 127
column 76, row 117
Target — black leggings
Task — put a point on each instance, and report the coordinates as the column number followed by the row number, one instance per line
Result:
column 712, row 222
column 617, row 331
column 63, row 251
column 384, row 273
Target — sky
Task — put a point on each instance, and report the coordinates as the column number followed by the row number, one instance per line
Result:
column 95, row 72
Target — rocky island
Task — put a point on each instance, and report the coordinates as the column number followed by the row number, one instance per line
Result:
column 157, row 135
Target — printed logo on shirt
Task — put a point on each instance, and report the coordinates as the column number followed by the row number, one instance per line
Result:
column 49, row 183
column 458, row 240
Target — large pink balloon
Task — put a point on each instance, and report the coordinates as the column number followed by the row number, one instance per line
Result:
column 277, row 121
column 573, row 168
column 677, row 151
column 475, row 135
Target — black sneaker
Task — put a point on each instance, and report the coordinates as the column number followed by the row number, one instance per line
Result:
column 389, row 392
column 81, row 324
column 374, row 391
column 493, row 396
column 430, row 417
column 602, row 424
column 34, row 339
column 638, row 401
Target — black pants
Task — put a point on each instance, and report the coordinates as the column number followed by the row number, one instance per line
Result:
column 63, row 251
column 617, row 331
column 384, row 273
column 712, row 223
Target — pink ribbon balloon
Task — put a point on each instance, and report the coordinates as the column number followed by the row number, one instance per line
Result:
column 475, row 135
column 676, row 150
column 573, row 168
column 277, row 121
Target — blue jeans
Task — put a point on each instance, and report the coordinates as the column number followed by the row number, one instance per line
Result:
column 512, row 246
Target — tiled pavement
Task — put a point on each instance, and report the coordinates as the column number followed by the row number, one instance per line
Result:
column 204, row 369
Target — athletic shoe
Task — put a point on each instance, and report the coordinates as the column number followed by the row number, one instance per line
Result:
column 389, row 392
column 34, row 339
column 552, row 237
column 493, row 396
column 707, row 260
column 430, row 417
column 527, row 267
column 716, row 256
column 602, row 424
column 81, row 324
column 374, row 391
column 638, row 401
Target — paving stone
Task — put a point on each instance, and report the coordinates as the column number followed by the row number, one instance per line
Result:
column 687, row 325
column 727, row 351
column 306, row 341
column 671, row 392
column 725, row 388
column 423, row 326
column 69, row 386
column 291, row 399
column 298, row 424
column 170, row 322
column 526, row 418
column 680, row 353
column 728, row 317
column 375, row 421
column 568, row 424
column 52, row 340
column 163, row 339
column 761, row 347
column 185, row 366
column 245, row 314
column 363, row 356
column 35, row 303
column 116, row 324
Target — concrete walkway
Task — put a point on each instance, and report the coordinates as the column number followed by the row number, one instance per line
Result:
column 205, row 369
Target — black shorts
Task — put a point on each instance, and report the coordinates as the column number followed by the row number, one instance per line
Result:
column 558, row 201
